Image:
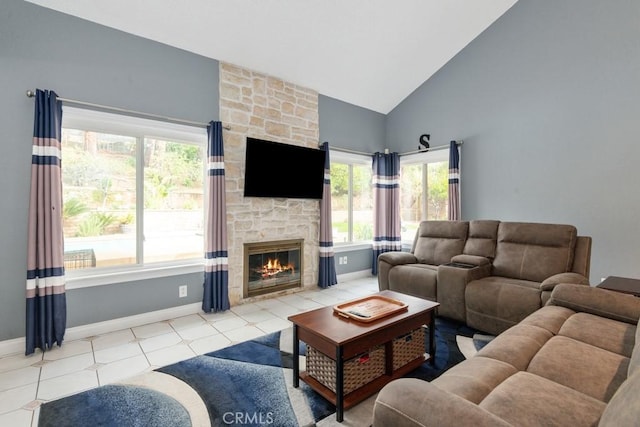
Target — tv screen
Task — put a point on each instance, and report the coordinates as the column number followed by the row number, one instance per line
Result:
column 274, row 169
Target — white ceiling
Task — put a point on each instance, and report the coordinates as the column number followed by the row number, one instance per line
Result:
column 371, row 53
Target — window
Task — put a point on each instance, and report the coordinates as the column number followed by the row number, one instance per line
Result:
column 424, row 190
column 351, row 198
column 133, row 191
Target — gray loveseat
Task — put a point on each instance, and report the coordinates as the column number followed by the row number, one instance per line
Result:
column 574, row 362
column 488, row 274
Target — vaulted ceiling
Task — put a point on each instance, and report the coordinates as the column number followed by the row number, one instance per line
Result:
column 371, row 53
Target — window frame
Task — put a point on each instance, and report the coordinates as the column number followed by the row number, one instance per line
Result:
column 351, row 159
column 139, row 128
column 423, row 158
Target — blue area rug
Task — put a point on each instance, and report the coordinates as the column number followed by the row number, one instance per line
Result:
column 246, row 384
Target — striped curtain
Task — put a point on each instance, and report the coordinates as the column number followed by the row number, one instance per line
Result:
column 46, row 316
column 327, row 266
column 454, row 182
column 216, row 269
column 386, row 205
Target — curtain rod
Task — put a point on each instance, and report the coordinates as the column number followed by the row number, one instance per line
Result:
column 31, row 94
column 439, row 147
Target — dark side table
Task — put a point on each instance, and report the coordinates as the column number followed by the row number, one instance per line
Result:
column 621, row 284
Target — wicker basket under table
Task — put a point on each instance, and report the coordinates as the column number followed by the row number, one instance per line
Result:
column 408, row 347
column 358, row 371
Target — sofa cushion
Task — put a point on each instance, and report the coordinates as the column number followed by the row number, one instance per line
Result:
column 582, row 367
column 526, row 400
column 414, row 279
column 534, row 251
column 516, row 346
column 438, row 241
column 608, row 334
column 482, row 238
column 474, row 378
column 550, row 317
column 496, row 303
column 623, row 409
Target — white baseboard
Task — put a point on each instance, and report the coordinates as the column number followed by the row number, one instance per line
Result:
column 17, row 345
column 14, row 346
column 354, row 275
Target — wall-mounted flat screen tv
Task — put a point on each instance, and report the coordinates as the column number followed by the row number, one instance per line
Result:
column 275, row 169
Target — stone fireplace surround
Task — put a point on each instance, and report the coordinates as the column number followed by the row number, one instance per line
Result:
column 260, row 106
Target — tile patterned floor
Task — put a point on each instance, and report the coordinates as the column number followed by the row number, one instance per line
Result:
column 27, row 382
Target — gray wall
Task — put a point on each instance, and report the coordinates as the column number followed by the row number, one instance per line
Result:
column 547, row 102
column 357, row 260
column 348, row 126
column 40, row 48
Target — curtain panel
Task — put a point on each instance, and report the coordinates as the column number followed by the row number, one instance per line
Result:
column 46, row 306
column 386, row 205
column 327, row 265
column 454, row 182
column 216, row 270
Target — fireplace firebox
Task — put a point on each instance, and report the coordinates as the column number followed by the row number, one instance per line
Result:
column 272, row 266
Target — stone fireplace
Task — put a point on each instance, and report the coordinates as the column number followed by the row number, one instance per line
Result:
column 265, row 107
column 272, row 266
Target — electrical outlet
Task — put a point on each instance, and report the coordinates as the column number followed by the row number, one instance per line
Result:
column 182, row 291
column 344, row 261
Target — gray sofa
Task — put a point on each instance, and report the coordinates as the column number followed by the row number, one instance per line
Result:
column 488, row 274
column 574, row 362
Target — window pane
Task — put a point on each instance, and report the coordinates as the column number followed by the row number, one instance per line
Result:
column 362, row 203
column 438, row 190
column 340, row 202
column 423, row 197
column 411, row 199
column 99, row 199
column 173, row 200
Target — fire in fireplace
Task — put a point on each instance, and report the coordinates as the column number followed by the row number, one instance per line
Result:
column 272, row 266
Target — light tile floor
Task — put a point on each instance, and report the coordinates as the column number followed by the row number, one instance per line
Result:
column 27, row 382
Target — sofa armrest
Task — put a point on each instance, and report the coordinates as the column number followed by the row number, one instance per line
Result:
column 452, row 285
column 413, row 402
column 471, row 260
column 601, row 302
column 549, row 283
column 397, row 258
column 388, row 260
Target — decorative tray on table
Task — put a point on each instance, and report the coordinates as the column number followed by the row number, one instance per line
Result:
column 370, row 308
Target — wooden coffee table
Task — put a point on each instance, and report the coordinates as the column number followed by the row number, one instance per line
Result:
column 341, row 339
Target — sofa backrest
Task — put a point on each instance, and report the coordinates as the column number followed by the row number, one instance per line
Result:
column 482, row 238
column 582, row 256
column 533, row 251
column 436, row 242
